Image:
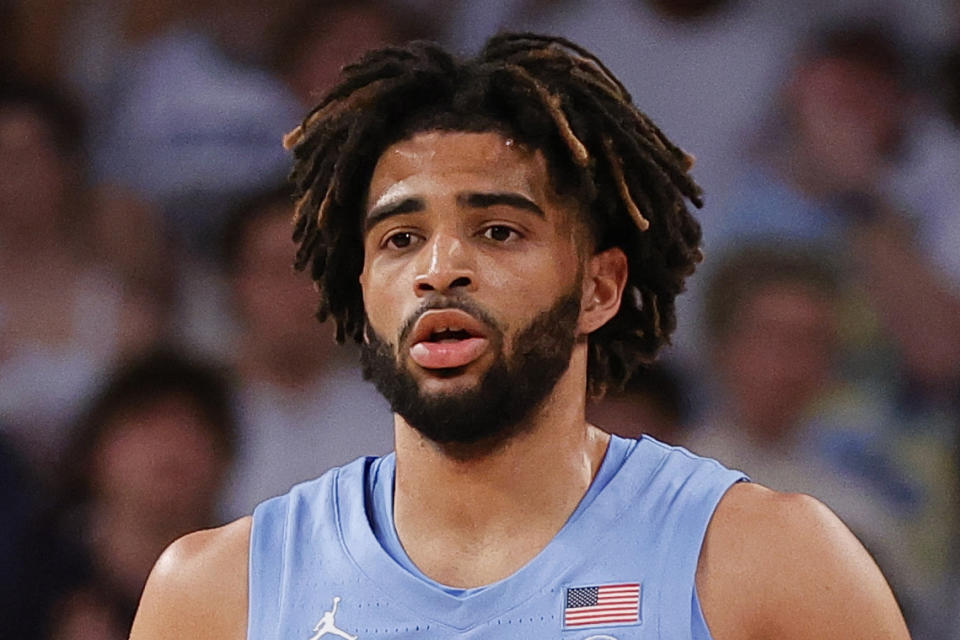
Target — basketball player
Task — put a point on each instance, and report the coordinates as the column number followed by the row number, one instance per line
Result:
column 503, row 236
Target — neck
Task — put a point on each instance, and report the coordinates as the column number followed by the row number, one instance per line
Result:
column 466, row 522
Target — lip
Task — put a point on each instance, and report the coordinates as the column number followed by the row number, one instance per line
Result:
column 447, row 355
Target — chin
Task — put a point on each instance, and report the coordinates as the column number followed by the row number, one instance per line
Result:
column 478, row 407
column 447, row 387
column 454, row 379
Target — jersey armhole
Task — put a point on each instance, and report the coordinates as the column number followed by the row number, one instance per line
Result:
column 699, row 629
column 689, row 534
column 268, row 532
column 698, row 623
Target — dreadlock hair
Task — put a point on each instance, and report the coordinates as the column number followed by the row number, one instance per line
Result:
column 548, row 94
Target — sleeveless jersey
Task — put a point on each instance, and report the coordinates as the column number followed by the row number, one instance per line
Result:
column 325, row 561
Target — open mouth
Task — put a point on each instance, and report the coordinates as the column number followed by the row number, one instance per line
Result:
column 447, row 339
column 449, row 335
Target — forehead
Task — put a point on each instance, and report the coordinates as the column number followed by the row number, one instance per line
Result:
column 485, row 160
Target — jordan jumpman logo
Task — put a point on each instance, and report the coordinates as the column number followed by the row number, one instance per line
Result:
column 327, row 625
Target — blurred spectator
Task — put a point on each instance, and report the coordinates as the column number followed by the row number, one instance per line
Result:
column 302, row 402
column 124, row 236
column 314, row 42
column 653, row 402
column 88, row 40
column 822, row 181
column 928, row 179
column 97, row 34
column 64, row 315
column 248, row 29
column 829, row 179
column 190, row 125
column 771, row 321
column 784, row 414
column 146, row 466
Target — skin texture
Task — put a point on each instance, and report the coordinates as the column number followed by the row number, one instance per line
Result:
column 774, row 566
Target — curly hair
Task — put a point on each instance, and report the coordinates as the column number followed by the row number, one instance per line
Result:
column 547, row 93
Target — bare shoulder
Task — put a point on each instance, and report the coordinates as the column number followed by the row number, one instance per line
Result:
column 779, row 565
column 198, row 587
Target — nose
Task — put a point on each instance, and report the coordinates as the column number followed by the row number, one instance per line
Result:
column 446, row 267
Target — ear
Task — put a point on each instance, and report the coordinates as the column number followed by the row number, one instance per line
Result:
column 604, row 280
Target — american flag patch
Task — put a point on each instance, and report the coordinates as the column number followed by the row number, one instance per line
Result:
column 604, row 604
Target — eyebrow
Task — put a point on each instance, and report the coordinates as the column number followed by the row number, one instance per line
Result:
column 407, row 205
column 472, row 200
column 486, row 200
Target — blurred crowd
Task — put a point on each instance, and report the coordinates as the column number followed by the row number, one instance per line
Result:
column 161, row 369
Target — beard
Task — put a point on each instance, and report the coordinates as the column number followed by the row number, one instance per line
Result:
column 477, row 420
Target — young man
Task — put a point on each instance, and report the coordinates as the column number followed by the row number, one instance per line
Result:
column 503, row 235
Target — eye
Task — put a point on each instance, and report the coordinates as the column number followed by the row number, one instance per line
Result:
column 401, row 240
column 499, row 233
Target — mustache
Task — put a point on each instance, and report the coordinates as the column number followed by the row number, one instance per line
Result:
column 462, row 304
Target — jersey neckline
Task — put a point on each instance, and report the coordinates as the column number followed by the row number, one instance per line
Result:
column 412, row 589
column 380, row 486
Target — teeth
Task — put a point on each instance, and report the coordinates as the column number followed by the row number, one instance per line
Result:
column 442, row 333
column 442, row 328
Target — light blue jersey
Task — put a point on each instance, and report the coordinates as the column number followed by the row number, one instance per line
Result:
column 325, row 561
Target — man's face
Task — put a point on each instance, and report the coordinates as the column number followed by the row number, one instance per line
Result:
column 471, row 283
column 339, row 38
column 849, row 117
column 160, row 458
column 780, row 354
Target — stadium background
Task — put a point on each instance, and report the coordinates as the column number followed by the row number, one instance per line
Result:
column 160, row 369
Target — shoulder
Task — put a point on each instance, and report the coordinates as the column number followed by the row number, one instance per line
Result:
column 778, row 565
column 198, row 587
